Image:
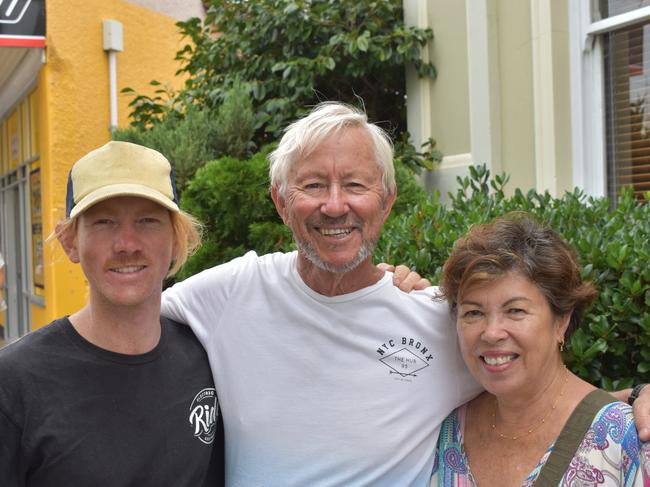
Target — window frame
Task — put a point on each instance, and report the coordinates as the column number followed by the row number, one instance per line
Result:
column 588, row 92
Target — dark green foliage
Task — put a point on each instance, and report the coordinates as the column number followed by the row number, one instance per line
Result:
column 294, row 53
column 409, row 191
column 231, row 198
column 406, row 154
column 612, row 348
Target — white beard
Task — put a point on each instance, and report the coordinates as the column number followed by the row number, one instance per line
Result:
column 307, row 250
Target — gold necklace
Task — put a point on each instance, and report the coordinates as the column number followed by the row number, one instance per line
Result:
column 532, row 428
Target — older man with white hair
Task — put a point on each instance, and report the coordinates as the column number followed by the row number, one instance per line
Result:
column 326, row 373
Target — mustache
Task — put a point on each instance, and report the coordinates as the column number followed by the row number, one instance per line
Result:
column 346, row 220
column 127, row 260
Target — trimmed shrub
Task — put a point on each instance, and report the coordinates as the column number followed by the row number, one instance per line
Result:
column 231, row 198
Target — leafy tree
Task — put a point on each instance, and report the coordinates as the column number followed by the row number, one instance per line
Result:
column 294, row 53
column 148, row 111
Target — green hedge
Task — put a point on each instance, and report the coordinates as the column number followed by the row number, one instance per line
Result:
column 612, row 348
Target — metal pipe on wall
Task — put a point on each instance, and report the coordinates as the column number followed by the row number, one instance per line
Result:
column 113, row 42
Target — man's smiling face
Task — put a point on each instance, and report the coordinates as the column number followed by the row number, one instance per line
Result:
column 335, row 203
column 125, row 246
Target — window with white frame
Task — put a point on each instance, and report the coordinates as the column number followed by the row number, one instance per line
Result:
column 614, row 88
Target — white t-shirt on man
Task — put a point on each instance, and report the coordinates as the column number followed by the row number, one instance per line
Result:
column 323, row 391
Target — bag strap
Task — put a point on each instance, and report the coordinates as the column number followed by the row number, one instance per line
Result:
column 570, row 438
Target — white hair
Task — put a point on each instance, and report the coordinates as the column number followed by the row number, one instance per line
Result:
column 302, row 137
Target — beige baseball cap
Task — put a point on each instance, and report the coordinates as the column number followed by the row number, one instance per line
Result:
column 120, row 169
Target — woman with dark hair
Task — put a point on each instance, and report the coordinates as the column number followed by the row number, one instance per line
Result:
column 516, row 293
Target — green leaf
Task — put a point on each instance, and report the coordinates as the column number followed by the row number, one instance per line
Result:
column 362, row 43
column 290, row 8
column 598, row 347
column 278, row 67
column 643, row 367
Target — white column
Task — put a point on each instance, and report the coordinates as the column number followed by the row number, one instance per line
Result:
column 543, row 96
column 419, row 113
column 484, row 106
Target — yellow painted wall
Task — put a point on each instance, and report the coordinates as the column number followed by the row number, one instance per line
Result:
column 56, row 266
column 73, row 107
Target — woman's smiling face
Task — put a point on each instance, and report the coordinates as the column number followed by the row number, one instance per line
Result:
column 509, row 337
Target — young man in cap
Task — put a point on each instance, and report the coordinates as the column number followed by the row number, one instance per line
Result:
column 113, row 395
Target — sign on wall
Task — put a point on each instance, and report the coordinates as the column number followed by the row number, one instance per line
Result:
column 38, row 277
column 22, row 23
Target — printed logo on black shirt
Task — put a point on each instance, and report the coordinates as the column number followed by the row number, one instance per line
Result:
column 204, row 412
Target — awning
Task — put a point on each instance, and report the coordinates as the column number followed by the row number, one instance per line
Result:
column 20, row 68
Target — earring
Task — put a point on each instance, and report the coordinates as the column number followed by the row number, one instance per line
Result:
column 562, row 345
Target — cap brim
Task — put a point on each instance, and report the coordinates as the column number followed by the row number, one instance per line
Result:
column 122, row 189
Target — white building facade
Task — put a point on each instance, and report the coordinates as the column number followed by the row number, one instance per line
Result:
column 552, row 92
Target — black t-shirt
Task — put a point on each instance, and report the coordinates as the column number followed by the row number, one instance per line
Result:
column 73, row 414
